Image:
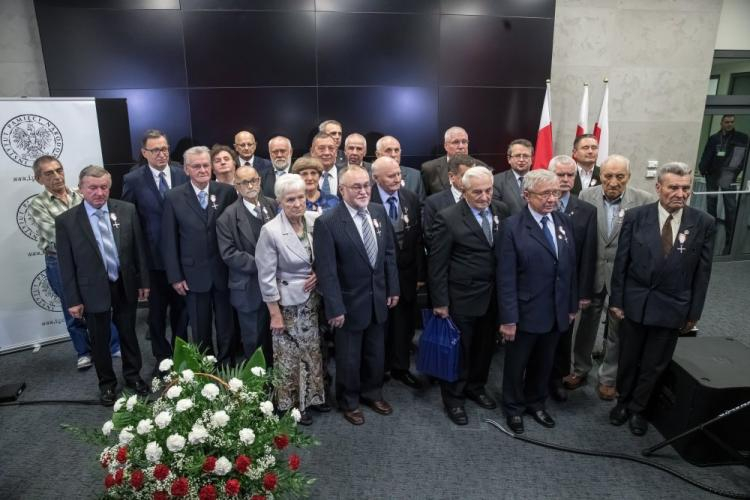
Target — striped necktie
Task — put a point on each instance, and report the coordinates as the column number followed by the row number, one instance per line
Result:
column 108, row 246
column 368, row 238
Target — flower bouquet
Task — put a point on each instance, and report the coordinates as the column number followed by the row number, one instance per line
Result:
column 211, row 434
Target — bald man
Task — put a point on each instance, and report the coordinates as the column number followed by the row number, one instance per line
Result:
column 410, row 178
column 245, row 145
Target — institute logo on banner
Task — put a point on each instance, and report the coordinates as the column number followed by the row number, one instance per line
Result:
column 25, row 221
column 27, row 137
column 43, row 295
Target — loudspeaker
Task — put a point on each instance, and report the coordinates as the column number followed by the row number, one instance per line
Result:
column 706, row 377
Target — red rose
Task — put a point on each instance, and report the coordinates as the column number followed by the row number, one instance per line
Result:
column 258, row 497
column 161, row 495
column 232, row 487
column 294, row 462
column 208, row 492
column 119, row 476
column 161, row 472
column 242, row 463
column 209, row 464
column 105, row 461
column 269, row 481
column 109, row 481
column 180, row 487
column 281, row 441
column 122, row 454
column 136, row 479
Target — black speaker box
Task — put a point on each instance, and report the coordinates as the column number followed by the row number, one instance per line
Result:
column 707, row 376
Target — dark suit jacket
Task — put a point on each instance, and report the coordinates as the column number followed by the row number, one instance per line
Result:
column 268, row 183
column 189, row 243
column 536, row 290
column 237, row 231
column 656, row 291
column 410, row 256
column 582, row 217
column 506, row 189
column 84, row 275
column 139, row 188
column 435, row 174
column 432, row 205
column 346, row 280
column 259, row 164
column 595, row 181
column 461, row 263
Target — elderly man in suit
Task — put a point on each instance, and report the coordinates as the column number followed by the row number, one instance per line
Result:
column 435, row 172
column 585, row 153
column 355, row 149
column 355, row 262
column 323, row 148
column 335, row 130
column 146, row 187
column 238, row 229
column 280, row 151
column 104, row 272
column 582, row 216
column 537, row 296
column 245, row 145
column 410, row 178
column 434, row 203
column 659, row 284
column 508, row 184
column 404, row 214
column 462, row 285
column 191, row 252
column 612, row 199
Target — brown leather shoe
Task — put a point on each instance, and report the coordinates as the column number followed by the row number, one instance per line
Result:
column 355, row 417
column 606, row 392
column 573, row 381
column 380, row 406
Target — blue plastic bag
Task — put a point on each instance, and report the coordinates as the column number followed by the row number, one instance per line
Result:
column 439, row 347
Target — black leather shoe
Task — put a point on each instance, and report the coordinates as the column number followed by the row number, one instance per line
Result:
column 638, row 424
column 108, row 396
column 515, row 422
column 139, row 387
column 542, row 418
column 619, row 415
column 482, row 400
column 305, row 418
column 321, row 408
column 457, row 414
column 406, row 378
column 558, row 393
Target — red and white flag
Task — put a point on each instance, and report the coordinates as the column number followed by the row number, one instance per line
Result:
column 543, row 150
column 601, row 128
column 583, row 115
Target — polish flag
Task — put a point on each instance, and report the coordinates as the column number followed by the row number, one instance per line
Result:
column 543, row 150
column 583, row 115
column 601, row 128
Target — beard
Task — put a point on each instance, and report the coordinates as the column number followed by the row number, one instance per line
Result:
column 282, row 164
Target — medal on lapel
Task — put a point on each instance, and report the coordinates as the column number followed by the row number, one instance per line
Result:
column 682, row 238
column 113, row 218
column 376, row 225
column 213, row 201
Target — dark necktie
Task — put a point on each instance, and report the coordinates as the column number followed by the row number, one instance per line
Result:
column 326, row 188
column 486, row 228
column 548, row 233
column 163, row 188
column 368, row 238
column 666, row 236
column 108, row 246
column 520, row 183
column 392, row 211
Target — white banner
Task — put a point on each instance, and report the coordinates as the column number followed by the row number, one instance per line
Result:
column 30, row 312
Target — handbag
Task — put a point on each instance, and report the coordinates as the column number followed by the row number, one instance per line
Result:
column 439, row 347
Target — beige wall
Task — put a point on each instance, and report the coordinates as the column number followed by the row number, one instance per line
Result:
column 21, row 64
column 733, row 32
column 657, row 55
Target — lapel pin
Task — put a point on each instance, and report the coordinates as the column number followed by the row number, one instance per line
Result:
column 113, row 217
column 213, row 201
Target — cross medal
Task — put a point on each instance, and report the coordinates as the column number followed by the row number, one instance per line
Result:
column 115, row 224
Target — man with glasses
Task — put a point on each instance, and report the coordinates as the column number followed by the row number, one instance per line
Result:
column 355, row 261
column 435, row 172
column 508, row 184
column 191, row 252
column 146, row 187
column 237, row 230
column 335, row 130
column 245, row 145
column 280, row 151
column 410, row 178
column 585, row 153
column 537, row 296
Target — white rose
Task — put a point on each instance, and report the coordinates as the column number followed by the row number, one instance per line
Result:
column 153, row 451
column 126, row 435
column 220, row 418
column 188, row 375
column 198, row 434
column 257, row 371
column 130, row 404
column 296, row 415
column 235, row 384
column 175, row 442
column 165, row 365
column 223, row 466
column 174, row 392
column 107, row 427
column 210, row 391
column 118, row 404
column 164, row 418
column 144, row 426
column 247, row 436
column 267, row 408
column 183, row 405
column 210, row 359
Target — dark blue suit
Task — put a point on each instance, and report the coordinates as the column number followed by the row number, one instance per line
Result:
column 260, row 165
column 352, row 287
column 139, row 188
column 537, row 291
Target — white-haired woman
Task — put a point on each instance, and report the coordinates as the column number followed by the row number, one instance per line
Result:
column 284, row 257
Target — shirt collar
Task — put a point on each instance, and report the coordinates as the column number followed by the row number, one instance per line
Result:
column 155, row 172
column 353, row 211
column 663, row 214
column 197, row 190
column 384, row 195
column 609, row 202
column 90, row 210
column 538, row 217
column 457, row 195
column 564, row 200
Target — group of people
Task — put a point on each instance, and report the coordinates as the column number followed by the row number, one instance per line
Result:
column 326, row 256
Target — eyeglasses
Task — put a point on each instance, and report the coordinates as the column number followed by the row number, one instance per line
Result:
column 155, row 151
column 248, row 182
column 200, row 166
column 546, row 194
column 359, row 187
column 520, row 157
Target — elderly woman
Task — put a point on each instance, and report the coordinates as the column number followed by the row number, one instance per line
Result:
column 310, row 170
column 224, row 163
column 284, row 257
